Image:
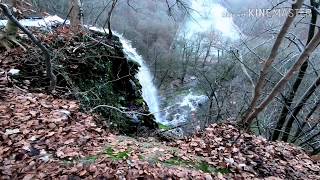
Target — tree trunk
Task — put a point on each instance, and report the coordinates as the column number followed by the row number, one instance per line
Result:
column 253, row 111
column 300, row 130
column 207, row 54
column 76, row 15
column 278, row 87
column 298, row 108
column 316, row 151
column 291, row 95
column 114, row 3
column 309, row 139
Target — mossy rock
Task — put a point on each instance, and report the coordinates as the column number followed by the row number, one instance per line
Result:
column 94, row 73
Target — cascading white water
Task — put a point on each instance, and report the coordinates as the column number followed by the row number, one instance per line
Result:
column 184, row 105
column 207, row 16
column 149, row 91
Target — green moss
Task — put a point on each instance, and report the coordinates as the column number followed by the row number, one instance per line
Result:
column 109, row 151
column 164, row 127
column 139, row 102
column 141, row 157
column 199, row 165
column 224, row 170
column 177, row 162
column 205, row 167
column 117, row 156
column 67, row 162
column 133, row 63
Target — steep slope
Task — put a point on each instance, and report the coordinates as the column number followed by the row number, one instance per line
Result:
column 50, row 137
column 46, row 137
column 89, row 68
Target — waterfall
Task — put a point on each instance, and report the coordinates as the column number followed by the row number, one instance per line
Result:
column 149, row 91
column 179, row 113
column 207, row 16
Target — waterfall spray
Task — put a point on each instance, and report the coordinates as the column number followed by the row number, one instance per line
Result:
column 207, row 16
column 149, row 91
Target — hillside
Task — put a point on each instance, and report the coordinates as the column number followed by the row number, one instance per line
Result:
column 47, row 136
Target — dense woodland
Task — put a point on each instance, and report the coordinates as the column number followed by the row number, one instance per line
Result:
column 257, row 84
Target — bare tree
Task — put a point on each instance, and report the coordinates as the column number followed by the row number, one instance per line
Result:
column 300, row 131
column 108, row 22
column 247, row 120
column 278, row 87
column 253, row 110
column 76, row 15
column 299, row 106
column 292, row 93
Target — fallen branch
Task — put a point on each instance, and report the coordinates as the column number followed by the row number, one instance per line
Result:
column 121, row 111
column 46, row 52
column 100, row 42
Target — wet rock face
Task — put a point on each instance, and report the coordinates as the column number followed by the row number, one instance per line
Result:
column 92, row 69
column 130, row 88
column 127, row 86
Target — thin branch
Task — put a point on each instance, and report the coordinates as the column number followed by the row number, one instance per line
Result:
column 121, row 111
column 45, row 51
column 104, row 8
column 252, row 110
column 304, row 56
column 244, row 68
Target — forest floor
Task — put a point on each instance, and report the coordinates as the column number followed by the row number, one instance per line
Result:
column 44, row 137
column 47, row 137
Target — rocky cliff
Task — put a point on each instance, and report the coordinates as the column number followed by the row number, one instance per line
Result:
column 89, row 68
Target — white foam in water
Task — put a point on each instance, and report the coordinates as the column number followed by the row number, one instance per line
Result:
column 193, row 101
column 188, row 104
